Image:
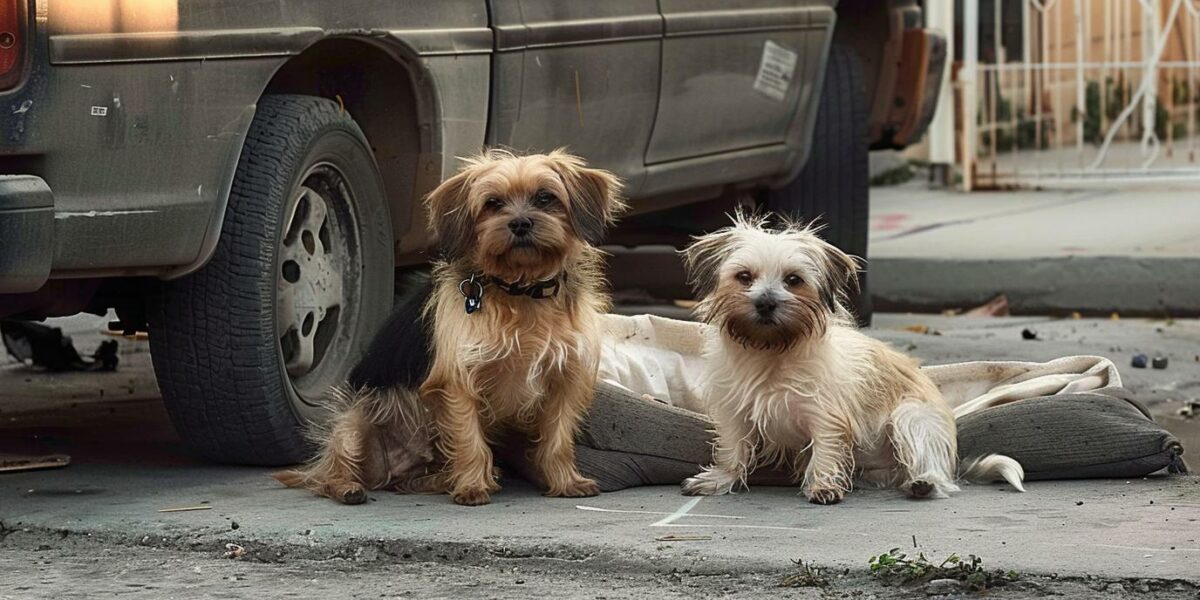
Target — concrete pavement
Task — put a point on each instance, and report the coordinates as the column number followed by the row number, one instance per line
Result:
column 128, row 466
column 1135, row 250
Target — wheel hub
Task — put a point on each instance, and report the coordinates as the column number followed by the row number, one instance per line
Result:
column 309, row 283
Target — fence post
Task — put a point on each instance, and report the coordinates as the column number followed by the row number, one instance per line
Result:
column 940, row 16
column 1150, row 34
column 969, row 77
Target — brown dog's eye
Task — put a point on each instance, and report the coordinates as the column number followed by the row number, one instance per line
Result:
column 745, row 277
column 543, row 199
column 493, row 203
column 792, row 280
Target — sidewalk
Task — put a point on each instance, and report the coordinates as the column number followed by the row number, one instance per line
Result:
column 1133, row 250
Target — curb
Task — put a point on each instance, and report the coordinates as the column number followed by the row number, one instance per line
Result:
column 1152, row 287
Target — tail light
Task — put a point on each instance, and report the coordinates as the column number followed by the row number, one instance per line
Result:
column 12, row 42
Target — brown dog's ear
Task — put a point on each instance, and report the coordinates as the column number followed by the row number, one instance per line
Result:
column 703, row 259
column 595, row 195
column 450, row 215
column 840, row 271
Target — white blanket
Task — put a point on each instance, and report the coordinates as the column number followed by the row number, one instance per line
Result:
column 662, row 358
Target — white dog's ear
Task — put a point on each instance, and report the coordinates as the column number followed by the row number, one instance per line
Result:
column 840, row 273
column 704, row 257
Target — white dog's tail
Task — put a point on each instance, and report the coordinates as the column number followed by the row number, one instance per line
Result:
column 989, row 468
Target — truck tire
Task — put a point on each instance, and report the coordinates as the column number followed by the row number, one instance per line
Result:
column 834, row 185
column 301, row 278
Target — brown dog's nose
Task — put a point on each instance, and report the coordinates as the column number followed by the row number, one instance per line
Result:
column 520, row 226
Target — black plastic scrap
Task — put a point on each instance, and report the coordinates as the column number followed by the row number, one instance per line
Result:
column 47, row 347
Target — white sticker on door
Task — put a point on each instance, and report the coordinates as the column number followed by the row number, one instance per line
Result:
column 776, row 71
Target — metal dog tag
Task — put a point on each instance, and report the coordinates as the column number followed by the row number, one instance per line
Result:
column 472, row 290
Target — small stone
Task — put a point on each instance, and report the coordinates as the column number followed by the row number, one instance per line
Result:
column 1159, row 362
column 1079, row 503
column 1115, row 588
column 234, row 525
column 941, row 587
column 1143, row 586
column 1028, row 334
column 1139, row 361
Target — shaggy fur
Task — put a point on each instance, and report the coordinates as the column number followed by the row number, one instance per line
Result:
column 794, row 384
column 518, row 363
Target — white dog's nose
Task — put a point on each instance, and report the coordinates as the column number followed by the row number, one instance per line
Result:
column 765, row 305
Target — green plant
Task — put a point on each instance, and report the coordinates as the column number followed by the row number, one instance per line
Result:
column 806, row 575
column 897, row 568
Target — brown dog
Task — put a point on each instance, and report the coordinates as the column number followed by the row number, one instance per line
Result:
column 513, row 324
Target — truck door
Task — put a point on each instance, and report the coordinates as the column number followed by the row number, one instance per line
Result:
column 584, row 75
column 735, row 73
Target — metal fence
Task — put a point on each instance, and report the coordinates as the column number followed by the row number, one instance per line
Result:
column 1070, row 91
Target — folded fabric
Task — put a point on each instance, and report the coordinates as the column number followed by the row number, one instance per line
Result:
column 661, row 357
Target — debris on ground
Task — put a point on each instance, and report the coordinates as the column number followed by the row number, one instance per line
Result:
column 47, row 347
column 1076, row 315
column 234, row 551
column 996, row 307
column 897, row 568
column 1159, row 362
column 922, row 329
column 1139, row 361
column 1029, row 334
column 942, row 587
column 12, row 463
column 184, row 509
column 1189, row 410
column 1114, row 317
column 806, row 575
column 671, row 537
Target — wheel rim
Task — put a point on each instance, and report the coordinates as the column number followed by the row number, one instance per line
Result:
column 316, row 278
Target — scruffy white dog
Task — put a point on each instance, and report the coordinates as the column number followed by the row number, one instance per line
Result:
column 794, row 384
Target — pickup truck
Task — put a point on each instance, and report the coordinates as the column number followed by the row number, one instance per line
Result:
column 243, row 178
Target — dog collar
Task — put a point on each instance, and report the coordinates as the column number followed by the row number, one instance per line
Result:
column 538, row 290
column 472, row 287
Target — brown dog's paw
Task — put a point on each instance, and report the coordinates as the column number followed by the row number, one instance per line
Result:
column 351, row 493
column 825, row 497
column 578, row 488
column 471, row 496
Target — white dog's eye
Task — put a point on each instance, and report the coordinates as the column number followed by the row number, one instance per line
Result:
column 792, row 280
column 493, row 203
column 745, row 277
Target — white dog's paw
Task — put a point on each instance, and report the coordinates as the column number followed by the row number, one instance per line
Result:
column 713, row 482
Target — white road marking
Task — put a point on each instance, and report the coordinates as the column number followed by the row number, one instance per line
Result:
column 686, row 511
column 651, row 512
column 678, row 514
column 1143, row 549
column 772, row 527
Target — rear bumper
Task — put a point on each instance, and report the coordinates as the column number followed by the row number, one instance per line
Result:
column 922, row 62
column 26, row 233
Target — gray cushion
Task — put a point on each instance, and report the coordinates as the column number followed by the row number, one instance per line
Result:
column 628, row 440
column 1073, row 436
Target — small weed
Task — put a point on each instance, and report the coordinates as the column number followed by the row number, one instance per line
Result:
column 897, row 568
column 806, row 575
